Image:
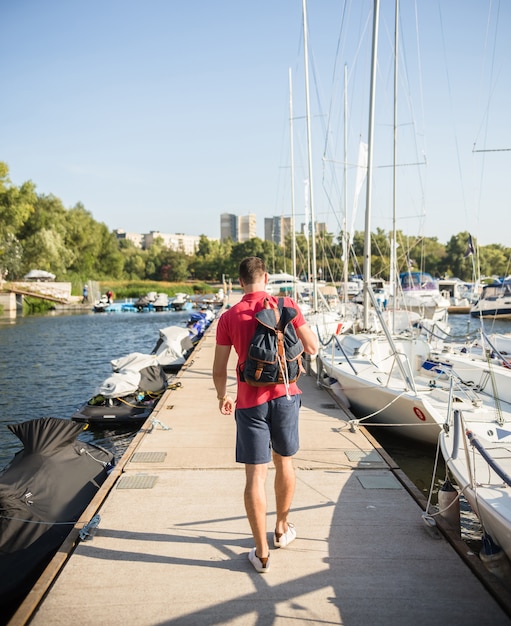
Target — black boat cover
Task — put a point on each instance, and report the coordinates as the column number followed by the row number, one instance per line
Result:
column 43, row 492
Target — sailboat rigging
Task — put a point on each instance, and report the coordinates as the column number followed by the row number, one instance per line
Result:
column 312, row 226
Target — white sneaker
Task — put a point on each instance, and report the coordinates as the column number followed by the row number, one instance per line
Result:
column 258, row 564
column 286, row 538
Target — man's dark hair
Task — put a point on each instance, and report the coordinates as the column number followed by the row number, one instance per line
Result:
column 251, row 270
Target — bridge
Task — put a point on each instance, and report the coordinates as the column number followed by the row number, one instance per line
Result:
column 37, row 294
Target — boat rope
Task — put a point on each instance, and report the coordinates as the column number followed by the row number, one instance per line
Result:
column 156, row 422
column 175, row 386
column 357, row 421
column 432, row 487
column 106, row 464
column 383, row 408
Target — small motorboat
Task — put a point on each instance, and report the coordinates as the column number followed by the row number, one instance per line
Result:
column 161, row 302
column 104, row 305
column 145, row 302
column 43, row 492
column 101, row 305
column 173, row 347
column 495, row 301
column 181, row 302
column 128, row 396
column 420, row 293
column 198, row 322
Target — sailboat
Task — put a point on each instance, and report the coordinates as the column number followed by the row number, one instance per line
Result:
column 402, row 379
column 481, row 467
column 323, row 318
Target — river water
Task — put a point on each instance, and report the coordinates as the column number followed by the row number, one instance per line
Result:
column 50, row 365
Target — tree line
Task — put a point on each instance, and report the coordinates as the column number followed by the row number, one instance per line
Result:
column 38, row 232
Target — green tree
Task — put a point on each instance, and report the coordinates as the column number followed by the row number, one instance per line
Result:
column 134, row 260
column 173, row 266
column 494, row 260
column 16, row 206
column 457, row 262
column 42, row 237
column 46, row 250
column 109, row 261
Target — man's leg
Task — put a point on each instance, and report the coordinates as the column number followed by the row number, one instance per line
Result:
column 255, row 505
column 285, row 481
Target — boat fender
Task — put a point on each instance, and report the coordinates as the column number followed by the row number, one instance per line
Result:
column 449, row 505
column 495, row 559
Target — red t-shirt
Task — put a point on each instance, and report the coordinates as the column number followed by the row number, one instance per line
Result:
column 236, row 327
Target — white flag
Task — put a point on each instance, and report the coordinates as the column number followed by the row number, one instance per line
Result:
column 307, row 208
column 361, row 176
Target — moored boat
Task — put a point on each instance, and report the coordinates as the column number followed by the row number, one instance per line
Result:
column 129, row 395
column 420, row 294
column 482, row 471
column 495, row 301
column 161, row 302
column 458, row 293
column 43, row 492
column 181, row 302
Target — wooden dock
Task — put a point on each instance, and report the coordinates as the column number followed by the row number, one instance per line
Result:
column 172, row 543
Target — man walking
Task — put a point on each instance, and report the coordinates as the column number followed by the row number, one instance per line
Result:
column 266, row 417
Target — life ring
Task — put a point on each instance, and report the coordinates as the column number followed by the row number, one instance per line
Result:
column 419, row 413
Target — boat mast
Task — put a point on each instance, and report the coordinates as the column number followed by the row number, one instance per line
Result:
column 345, row 229
column 370, row 134
column 309, row 145
column 393, row 288
column 292, row 162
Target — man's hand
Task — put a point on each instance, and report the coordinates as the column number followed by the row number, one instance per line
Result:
column 226, row 405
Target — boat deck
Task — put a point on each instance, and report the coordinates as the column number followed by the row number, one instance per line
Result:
column 172, row 543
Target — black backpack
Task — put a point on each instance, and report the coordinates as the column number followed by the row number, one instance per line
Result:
column 275, row 352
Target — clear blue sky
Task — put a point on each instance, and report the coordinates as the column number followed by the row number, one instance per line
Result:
column 160, row 115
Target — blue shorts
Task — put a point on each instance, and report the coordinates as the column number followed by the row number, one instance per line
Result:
column 272, row 425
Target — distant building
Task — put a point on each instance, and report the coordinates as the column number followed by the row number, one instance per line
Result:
column 247, row 227
column 239, row 229
column 321, row 229
column 277, row 228
column 135, row 238
column 228, row 227
column 178, row 242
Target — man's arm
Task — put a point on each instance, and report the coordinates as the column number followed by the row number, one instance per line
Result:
column 309, row 338
column 226, row 403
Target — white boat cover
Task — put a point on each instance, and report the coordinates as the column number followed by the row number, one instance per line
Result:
column 119, row 384
column 174, row 343
column 135, row 361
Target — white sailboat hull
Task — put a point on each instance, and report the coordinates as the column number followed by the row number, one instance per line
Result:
column 417, row 404
column 374, row 403
column 488, row 495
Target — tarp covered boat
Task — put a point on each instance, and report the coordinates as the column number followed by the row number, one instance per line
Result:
column 43, row 492
column 173, row 347
column 129, row 395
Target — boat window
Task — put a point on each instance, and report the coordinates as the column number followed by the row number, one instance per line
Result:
column 493, row 291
